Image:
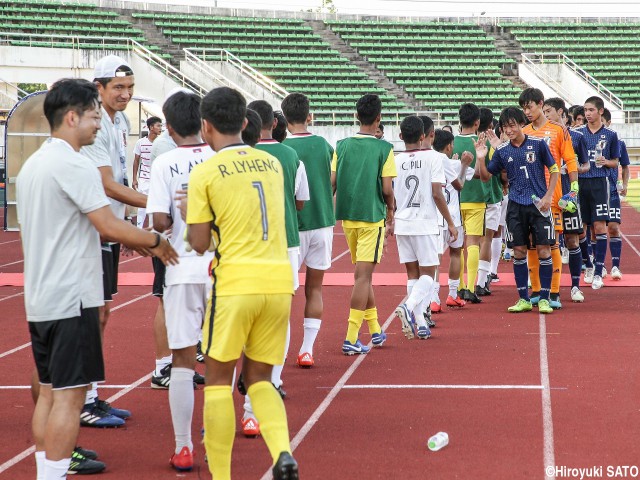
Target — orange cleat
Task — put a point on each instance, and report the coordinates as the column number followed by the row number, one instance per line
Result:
column 250, row 427
column 305, row 360
column 183, row 461
column 436, row 307
column 455, row 302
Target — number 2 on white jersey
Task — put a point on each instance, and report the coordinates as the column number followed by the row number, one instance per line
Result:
column 407, row 183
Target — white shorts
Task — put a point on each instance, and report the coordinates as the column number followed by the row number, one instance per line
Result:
column 421, row 248
column 492, row 216
column 184, row 309
column 143, row 185
column 503, row 211
column 447, row 241
column 315, row 248
column 294, row 260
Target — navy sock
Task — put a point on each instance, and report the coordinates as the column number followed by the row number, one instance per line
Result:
column 601, row 252
column 584, row 249
column 575, row 266
column 521, row 273
column 615, row 246
column 546, row 272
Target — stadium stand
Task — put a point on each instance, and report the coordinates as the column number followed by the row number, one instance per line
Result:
column 441, row 64
column 616, row 67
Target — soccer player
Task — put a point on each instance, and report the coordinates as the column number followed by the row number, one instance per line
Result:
column 418, row 195
column 524, row 158
column 239, row 194
column 362, row 171
column 186, row 285
column 555, row 110
column 617, row 188
column 142, row 163
column 315, row 220
column 604, row 152
column 251, row 133
column 576, row 116
column 280, row 130
column 559, row 142
column 472, row 201
column 380, row 132
column 63, row 281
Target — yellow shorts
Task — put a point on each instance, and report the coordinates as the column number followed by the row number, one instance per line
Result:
column 473, row 221
column 365, row 243
column 255, row 323
column 557, row 219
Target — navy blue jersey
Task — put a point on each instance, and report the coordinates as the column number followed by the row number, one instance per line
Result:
column 613, row 172
column 582, row 157
column 525, row 168
column 604, row 139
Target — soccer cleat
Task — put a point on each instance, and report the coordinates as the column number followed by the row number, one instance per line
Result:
column 588, row 275
column 198, row 379
column 604, row 272
column 354, row 348
column 494, row 278
column 250, row 427
column 93, row 416
column 455, row 302
column 535, row 298
column 507, row 254
column 183, row 461
column 554, row 301
column 285, row 468
column 199, row 354
column 473, row 298
column 408, row 327
column 85, row 452
column 482, row 291
column 565, row 256
column 616, row 274
column 424, row 333
column 544, row 306
column 377, row 339
column 281, row 391
column 427, row 318
column 305, row 360
column 117, row 412
column 82, row 465
column 597, row 283
column 522, row 306
column 577, row 295
column 435, row 307
column 464, row 294
column 161, row 381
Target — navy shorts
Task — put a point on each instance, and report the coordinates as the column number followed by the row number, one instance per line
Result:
column 594, row 199
column 526, row 226
column 614, row 208
column 572, row 222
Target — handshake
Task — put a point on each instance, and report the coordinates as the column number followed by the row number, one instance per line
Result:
column 569, row 202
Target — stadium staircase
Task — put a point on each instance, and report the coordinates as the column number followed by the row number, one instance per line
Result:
column 170, row 52
column 511, row 47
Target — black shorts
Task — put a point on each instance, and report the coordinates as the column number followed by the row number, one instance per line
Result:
column 526, row 226
column 68, row 352
column 614, row 208
column 594, row 199
column 159, row 271
column 572, row 222
column 110, row 263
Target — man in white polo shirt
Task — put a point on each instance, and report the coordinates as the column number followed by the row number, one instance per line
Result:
column 142, row 163
column 61, row 204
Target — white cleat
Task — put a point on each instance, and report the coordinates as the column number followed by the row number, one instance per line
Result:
column 597, row 282
column 604, row 272
column 565, row 256
column 576, row 295
column 616, row 274
column 588, row 275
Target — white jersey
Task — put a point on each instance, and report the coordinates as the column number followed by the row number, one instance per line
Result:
column 170, row 173
column 451, row 195
column 416, row 212
column 143, row 150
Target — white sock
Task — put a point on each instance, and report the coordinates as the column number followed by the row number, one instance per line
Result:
column 92, row 394
column 276, row 373
column 40, row 456
column 453, row 287
column 56, row 470
column 483, row 271
column 141, row 217
column 496, row 250
column 311, row 329
column 410, row 284
column 248, row 409
column 435, row 292
column 161, row 363
column 420, row 291
column 181, row 404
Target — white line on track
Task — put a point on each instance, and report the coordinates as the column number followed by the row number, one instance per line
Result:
column 13, row 350
column 11, row 296
column 454, row 387
column 340, row 256
column 10, row 241
column 12, row 263
column 315, row 416
column 547, row 419
column 131, row 260
column 26, row 387
column 626, row 238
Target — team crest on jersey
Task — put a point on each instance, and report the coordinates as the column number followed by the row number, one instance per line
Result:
column 529, row 147
column 241, row 152
column 510, row 159
column 602, row 143
column 531, row 157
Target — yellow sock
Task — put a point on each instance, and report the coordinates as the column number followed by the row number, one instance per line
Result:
column 371, row 317
column 534, row 269
column 272, row 417
column 463, row 285
column 556, row 258
column 219, row 429
column 355, row 321
column 473, row 260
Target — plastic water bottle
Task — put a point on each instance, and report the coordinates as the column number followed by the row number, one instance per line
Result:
column 599, row 150
column 438, row 441
column 619, row 186
column 536, row 201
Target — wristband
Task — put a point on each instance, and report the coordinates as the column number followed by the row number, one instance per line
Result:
column 574, row 186
column 158, row 239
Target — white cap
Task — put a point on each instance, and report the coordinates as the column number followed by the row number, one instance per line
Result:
column 107, row 66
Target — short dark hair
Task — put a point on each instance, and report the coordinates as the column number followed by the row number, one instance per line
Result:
column 225, row 109
column 251, row 133
column 412, row 129
column 486, row 119
column 381, row 127
column 606, row 114
column 469, row 114
column 126, row 69
column 595, row 101
column 442, row 139
column 182, row 111
column 151, row 121
column 295, row 108
column 510, row 114
column 69, row 94
column 280, row 130
column 556, row 103
column 369, row 107
column 262, row 108
column 428, row 124
column 448, row 127
column 528, row 95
